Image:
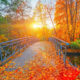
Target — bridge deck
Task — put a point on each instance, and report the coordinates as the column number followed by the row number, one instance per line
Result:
column 37, row 62
column 39, row 49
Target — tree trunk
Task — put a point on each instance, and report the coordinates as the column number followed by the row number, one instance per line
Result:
column 67, row 18
column 75, row 17
column 72, row 20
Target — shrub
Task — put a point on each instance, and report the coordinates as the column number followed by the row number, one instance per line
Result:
column 75, row 44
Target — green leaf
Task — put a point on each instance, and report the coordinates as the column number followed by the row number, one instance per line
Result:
column 5, row 2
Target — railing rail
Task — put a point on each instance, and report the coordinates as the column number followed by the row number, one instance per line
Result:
column 61, row 46
column 11, row 47
column 59, row 40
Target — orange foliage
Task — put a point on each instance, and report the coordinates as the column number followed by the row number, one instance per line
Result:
column 69, row 31
column 3, row 38
column 45, row 66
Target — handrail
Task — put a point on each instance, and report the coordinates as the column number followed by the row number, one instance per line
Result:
column 11, row 47
column 13, row 40
column 59, row 48
column 59, row 40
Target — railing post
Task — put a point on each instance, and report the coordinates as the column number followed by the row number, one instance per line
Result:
column 75, row 62
column 65, row 56
column 20, row 46
column 60, row 51
column 12, row 48
column 0, row 53
column 57, row 48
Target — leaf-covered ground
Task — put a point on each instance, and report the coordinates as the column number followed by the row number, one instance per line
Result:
column 45, row 65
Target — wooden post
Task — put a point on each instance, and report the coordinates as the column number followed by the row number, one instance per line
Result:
column 12, row 48
column 57, row 48
column 60, row 51
column 20, row 46
column 0, row 54
column 65, row 56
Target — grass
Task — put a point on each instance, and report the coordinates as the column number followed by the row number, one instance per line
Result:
column 75, row 44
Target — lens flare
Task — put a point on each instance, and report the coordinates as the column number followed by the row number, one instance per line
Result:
column 37, row 26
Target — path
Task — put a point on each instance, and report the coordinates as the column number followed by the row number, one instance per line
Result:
column 38, row 62
column 39, row 49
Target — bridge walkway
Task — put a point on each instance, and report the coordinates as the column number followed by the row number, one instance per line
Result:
column 41, row 49
column 38, row 62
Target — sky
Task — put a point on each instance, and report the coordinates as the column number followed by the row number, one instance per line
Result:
column 34, row 2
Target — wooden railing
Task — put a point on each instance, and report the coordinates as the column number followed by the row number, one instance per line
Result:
column 61, row 48
column 9, row 48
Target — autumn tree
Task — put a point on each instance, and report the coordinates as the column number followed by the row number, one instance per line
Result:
column 44, row 13
column 12, row 13
column 16, row 9
column 66, row 17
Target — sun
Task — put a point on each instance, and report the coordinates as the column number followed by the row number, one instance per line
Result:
column 36, row 25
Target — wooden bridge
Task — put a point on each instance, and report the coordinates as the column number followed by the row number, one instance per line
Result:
column 10, row 48
column 19, row 52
